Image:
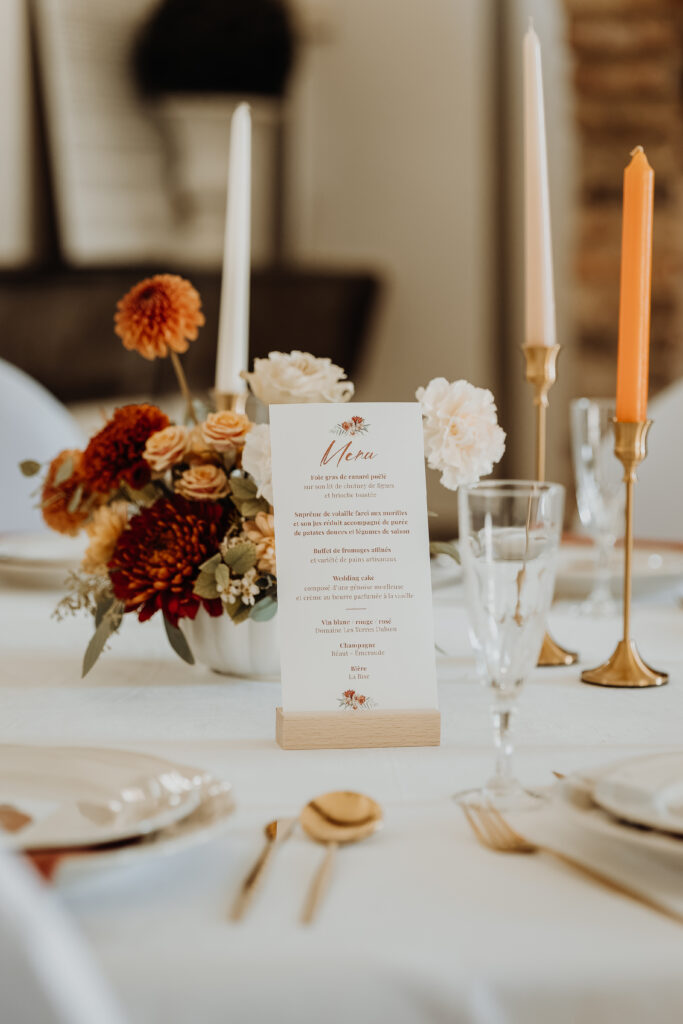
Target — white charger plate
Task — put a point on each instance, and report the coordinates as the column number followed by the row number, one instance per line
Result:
column 40, row 559
column 56, row 797
column 574, row 796
column 655, row 569
column 645, row 791
column 206, row 822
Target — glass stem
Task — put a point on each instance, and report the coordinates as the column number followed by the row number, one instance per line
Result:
column 502, row 722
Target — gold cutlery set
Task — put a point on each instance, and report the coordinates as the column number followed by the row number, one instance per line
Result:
column 332, row 819
column 338, row 818
column 495, row 833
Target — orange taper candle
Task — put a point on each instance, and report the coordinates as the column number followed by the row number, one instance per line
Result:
column 634, row 300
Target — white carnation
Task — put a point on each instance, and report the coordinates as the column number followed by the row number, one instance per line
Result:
column 257, row 462
column 286, row 378
column 462, row 436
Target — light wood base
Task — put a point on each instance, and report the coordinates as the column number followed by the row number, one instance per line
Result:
column 317, row 730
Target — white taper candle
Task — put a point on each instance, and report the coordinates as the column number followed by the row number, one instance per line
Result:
column 233, row 324
column 538, row 257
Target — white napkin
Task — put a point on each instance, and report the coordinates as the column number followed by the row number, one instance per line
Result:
column 46, row 974
column 655, row 874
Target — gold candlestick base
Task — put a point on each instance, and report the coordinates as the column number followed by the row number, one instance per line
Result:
column 541, row 372
column 626, row 668
column 552, row 654
column 234, row 401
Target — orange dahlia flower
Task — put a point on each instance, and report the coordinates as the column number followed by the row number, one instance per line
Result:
column 57, row 497
column 261, row 532
column 158, row 314
column 104, row 529
column 156, row 560
column 115, row 454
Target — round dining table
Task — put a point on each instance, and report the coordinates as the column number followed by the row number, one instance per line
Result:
column 420, row 922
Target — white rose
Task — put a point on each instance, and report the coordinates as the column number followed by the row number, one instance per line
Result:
column 297, row 377
column 462, row 436
column 256, row 460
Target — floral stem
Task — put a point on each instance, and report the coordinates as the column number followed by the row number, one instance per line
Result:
column 182, row 381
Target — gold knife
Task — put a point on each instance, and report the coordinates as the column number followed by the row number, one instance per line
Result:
column 276, row 833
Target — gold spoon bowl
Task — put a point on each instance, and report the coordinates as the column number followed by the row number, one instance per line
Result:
column 334, row 819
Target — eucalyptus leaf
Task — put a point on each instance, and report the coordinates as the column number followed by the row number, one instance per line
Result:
column 238, row 612
column 250, row 509
column 243, row 487
column 29, row 467
column 205, row 586
column 222, row 575
column 64, row 472
column 243, row 492
column 178, row 642
column 109, row 624
column 445, row 547
column 75, row 499
column 241, row 558
column 102, row 607
column 264, row 609
column 211, row 563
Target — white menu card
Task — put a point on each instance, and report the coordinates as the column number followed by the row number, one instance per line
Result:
column 354, row 585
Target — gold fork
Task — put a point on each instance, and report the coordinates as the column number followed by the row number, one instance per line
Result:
column 494, row 832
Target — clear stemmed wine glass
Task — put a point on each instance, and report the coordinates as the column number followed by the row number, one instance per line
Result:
column 509, row 535
column 599, row 491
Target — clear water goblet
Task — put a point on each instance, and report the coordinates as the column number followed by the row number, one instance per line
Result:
column 509, row 536
column 599, row 491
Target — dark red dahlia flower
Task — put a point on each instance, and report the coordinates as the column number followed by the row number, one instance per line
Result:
column 114, row 454
column 156, row 560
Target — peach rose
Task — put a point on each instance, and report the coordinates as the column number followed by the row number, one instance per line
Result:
column 225, row 431
column 165, row 448
column 104, row 529
column 261, row 533
column 196, row 449
column 203, row 483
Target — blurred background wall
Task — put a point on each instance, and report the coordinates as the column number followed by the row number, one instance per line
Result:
column 387, row 195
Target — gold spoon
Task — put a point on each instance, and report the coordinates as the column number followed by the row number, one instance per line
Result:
column 275, row 832
column 335, row 818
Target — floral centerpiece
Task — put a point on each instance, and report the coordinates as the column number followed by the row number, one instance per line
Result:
column 179, row 515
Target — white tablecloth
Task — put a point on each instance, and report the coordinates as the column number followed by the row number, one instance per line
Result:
column 420, row 924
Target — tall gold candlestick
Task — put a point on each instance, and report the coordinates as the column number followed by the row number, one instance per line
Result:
column 235, row 401
column 541, row 361
column 626, row 667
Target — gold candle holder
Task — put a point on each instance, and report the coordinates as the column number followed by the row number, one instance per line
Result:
column 626, row 667
column 235, row 401
column 541, row 372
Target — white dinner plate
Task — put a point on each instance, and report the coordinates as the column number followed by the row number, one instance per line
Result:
column 206, row 822
column 645, row 791
column 55, row 797
column 574, row 797
column 40, row 559
column 655, row 569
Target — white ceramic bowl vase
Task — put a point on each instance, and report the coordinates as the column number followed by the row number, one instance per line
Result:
column 249, row 650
